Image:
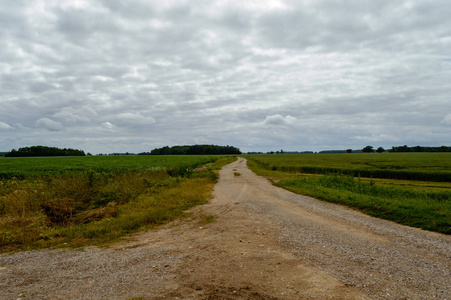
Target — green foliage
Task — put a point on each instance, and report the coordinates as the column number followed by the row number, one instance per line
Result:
column 196, row 150
column 429, row 210
column 37, row 166
column 368, row 149
column 380, row 150
column 409, row 166
column 424, row 204
column 405, row 148
column 44, row 151
column 92, row 206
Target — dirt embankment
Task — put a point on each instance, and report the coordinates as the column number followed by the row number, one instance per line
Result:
column 266, row 243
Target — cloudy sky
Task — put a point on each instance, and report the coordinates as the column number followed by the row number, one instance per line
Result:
column 114, row 76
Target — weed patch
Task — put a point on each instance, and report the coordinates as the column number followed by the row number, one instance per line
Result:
column 204, row 220
column 94, row 207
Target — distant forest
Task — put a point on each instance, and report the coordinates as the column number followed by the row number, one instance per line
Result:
column 367, row 149
column 405, row 148
column 44, row 151
column 195, row 150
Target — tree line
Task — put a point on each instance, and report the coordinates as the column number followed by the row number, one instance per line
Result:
column 195, row 150
column 420, row 149
column 405, row 148
column 44, row 151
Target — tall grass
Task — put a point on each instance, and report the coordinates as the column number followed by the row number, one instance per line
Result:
column 91, row 207
column 429, row 210
column 419, row 204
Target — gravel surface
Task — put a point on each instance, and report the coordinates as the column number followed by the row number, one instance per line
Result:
column 266, row 243
column 381, row 258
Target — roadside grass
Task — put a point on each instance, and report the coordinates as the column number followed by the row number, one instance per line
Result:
column 206, row 219
column 426, row 205
column 76, row 209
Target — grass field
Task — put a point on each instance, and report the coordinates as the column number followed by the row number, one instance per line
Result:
column 384, row 185
column 410, row 166
column 78, row 201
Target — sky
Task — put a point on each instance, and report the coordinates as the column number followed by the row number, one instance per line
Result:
column 110, row 76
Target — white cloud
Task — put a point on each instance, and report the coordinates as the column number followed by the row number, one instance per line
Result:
column 49, row 124
column 4, row 125
column 278, row 120
column 446, row 120
column 108, row 126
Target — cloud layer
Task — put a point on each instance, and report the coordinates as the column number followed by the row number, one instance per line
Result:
column 110, row 76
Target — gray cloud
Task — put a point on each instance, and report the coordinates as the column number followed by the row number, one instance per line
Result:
column 135, row 118
column 110, row 76
column 49, row 124
column 69, row 114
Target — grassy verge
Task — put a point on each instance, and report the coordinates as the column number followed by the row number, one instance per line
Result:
column 95, row 207
column 415, row 204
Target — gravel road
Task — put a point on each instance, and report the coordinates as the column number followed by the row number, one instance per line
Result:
column 265, row 243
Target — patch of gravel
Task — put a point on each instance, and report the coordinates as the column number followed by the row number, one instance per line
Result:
column 91, row 274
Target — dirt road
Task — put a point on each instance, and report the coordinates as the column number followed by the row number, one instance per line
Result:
column 266, row 243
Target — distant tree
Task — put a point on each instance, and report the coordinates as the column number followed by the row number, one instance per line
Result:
column 368, row 149
column 44, row 151
column 348, row 150
column 332, row 151
column 380, row 150
column 195, row 150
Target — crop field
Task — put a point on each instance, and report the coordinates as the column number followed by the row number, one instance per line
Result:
column 409, row 188
column 38, row 166
column 410, row 166
column 78, row 201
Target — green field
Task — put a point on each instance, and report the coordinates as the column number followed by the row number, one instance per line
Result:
column 77, row 201
column 409, row 166
column 37, row 166
column 410, row 188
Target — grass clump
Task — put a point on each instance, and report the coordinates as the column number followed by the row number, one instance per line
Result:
column 94, row 207
column 206, row 219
